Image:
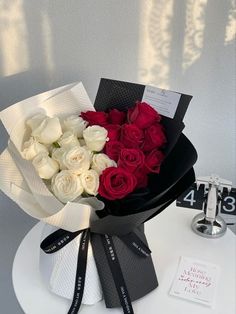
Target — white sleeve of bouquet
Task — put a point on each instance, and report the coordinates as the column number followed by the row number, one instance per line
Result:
column 19, row 179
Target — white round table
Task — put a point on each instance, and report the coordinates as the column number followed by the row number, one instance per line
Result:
column 170, row 236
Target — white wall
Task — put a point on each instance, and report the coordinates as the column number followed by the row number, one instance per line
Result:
column 184, row 45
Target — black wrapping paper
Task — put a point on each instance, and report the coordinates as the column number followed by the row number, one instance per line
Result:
column 119, row 218
column 138, row 272
column 122, row 95
column 167, row 188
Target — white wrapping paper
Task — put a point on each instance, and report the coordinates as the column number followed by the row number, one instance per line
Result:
column 20, row 182
column 59, row 270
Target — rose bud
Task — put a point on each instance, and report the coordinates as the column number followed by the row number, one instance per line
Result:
column 113, row 131
column 66, row 186
column 95, row 137
column 101, row 161
column 131, row 159
column 116, row 117
column 143, row 115
column 77, row 159
column 153, row 160
column 131, row 136
column 31, row 148
column 90, row 181
column 57, row 154
column 154, row 137
column 141, row 176
column 95, row 117
column 45, row 130
column 45, row 166
column 68, row 140
column 116, row 183
column 75, row 124
column 113, row 149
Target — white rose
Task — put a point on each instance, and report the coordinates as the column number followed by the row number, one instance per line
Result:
column 45, row 166
column 66, row 186
column 77, row 159
column 101, row 161
column 95, row 137
column 31, row 148
column 36, row 120
column 90, row 181
column 57, row 154
column 47, row 131
column 68, row 139
column 75, row 124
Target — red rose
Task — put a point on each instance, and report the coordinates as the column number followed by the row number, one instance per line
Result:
column 131, row 136
column 153, row 160
column 116, row 183
column 116, row 117
column 113, row 148
column 143, row 115
column 154, row 137
column 141, row 176
column 113, row 131
column 131, row 159
column 95, row 117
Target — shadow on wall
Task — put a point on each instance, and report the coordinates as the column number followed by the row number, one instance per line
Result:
column 175, row 36
column 189, row 46
column 45, row 44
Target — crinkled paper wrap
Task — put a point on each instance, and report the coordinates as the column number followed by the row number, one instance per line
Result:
column 59, row 270
column 20, row 182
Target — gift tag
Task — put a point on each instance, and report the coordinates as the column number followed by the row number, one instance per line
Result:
column 195, row 281
column 122, row 95
column 164, row 101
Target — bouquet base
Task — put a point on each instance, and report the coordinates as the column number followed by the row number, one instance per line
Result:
column 137, row 271
column 58, row 271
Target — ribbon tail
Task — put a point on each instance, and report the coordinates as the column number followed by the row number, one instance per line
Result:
column 117, row 274
column 80, row 273
column 135, row 244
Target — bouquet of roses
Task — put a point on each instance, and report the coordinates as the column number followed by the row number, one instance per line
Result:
column 110, row 154
column 135, row 140
column 97, row 176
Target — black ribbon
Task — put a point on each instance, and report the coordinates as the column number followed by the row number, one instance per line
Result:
column 58, row 239
column 80, row 273
column 117, row 274
column 136, row 245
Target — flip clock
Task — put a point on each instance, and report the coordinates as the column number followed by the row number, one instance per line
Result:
column 216, row 198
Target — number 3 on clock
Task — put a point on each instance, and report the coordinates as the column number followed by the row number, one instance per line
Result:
column 228, row 205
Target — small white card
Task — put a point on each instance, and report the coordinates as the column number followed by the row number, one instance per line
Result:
column 164, row 101
column 196, row 281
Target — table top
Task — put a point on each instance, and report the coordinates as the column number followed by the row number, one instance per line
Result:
column 170, row 236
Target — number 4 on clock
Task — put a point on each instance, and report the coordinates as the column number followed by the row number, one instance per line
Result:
column 192, row 197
